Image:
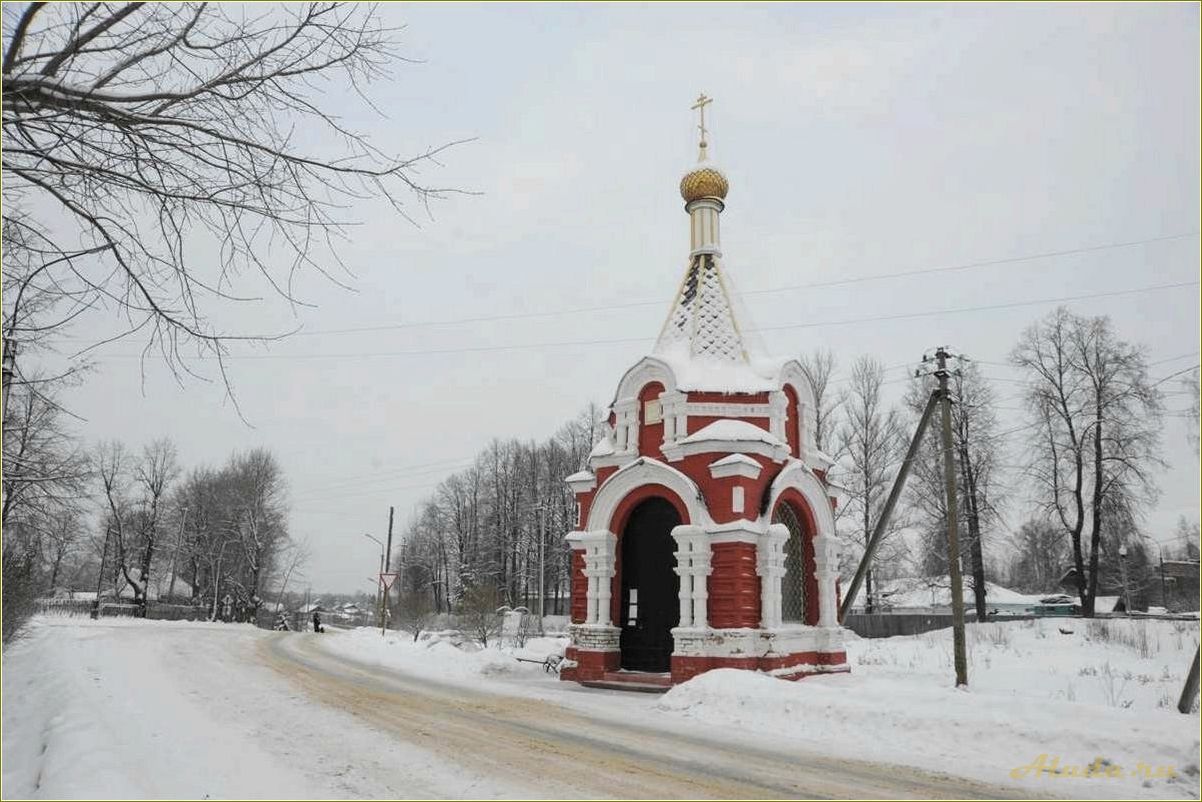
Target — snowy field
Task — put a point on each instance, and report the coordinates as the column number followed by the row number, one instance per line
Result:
column 150, row 709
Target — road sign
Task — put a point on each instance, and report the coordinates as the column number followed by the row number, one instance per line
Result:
column 387, row 579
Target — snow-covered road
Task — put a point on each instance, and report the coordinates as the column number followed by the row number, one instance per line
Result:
column 154, row 709
column 550, row 751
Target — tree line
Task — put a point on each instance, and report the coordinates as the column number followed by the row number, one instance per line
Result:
column 132, row 525
column 1079, row 445
column 485, row 532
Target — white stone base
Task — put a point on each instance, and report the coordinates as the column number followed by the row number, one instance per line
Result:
column 595, row 637
column 779, row 641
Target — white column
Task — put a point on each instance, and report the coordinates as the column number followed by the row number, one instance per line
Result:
column 778, row 403
column 826, row 570
column 599, row 568
column 770, row 564
column 692, row 566
column 686, row 595
column 701, row 572
column 591, row 616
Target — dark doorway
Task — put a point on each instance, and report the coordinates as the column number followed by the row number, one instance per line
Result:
column 650, row 587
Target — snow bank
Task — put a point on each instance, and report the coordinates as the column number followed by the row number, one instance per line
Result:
column 441, row 657
column 84, row 720
column 1033, row 692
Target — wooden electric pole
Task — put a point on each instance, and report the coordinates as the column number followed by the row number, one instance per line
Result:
column 882, row 521
column 387, row 568
column 953, row 541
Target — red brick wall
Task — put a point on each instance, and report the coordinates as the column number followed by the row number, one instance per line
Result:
column 734, row 587
column 579, row 588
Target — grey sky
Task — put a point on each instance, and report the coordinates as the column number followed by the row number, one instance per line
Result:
column 858, row 140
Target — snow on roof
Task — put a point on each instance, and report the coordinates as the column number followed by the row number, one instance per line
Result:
column 581, row 476
column 735, row 430
column 734, row 459
column 604, row 447
column 700, row 372
column 934, row 592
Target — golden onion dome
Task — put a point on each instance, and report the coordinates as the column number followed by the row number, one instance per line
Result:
column 703, row 182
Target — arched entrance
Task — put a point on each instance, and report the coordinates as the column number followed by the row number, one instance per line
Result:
column 650, row 604
column 799, row 589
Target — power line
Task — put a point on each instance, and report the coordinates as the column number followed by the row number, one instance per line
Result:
column 985, row 308
column 352, row 478
column 766, row 291
column 627, row 340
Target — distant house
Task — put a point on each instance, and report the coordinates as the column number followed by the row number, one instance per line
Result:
column 934, row 595
column 1179, row 584
column 1068, row 584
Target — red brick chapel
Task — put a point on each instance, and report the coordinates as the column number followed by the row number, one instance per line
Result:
column 706, row 529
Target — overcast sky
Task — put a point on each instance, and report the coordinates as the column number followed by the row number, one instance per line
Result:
column 858, row 140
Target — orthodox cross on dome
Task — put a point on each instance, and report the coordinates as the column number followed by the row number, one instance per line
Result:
column 699, row 106
column 702, row 323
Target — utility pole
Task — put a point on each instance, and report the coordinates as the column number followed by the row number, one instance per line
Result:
column 542, row 571
column 175, row 554
column 1123, row 570
column 882, row 521
column 104, row 553
column 387, row 568
column 953, row 543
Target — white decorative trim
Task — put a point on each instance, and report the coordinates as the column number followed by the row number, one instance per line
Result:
column 744, row 642
column 646, row 370
column 676, row 419
column 644, row 471
column 581, row 481
column 770, row 565
column 693, row 567
column 735, row 465
column 737, row 498
column 792, row 374
column 739, row 530
column 778, row 404
column 677, row 452
column 598, row 548
column 611, row 461
column 626, row 426
column 798, row 476
column 717, row 409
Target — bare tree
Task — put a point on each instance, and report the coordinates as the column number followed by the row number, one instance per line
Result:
column 153, row 474
column 1192, row 387
column 296, row 555
column 977, row 442
column 1039, row 555
column 140, row 136
column 62, row 537
column 259, row 518
column 479, row 615
column 1096, row 418
column 44, row 470
column 872, row 442
column 818, row 366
